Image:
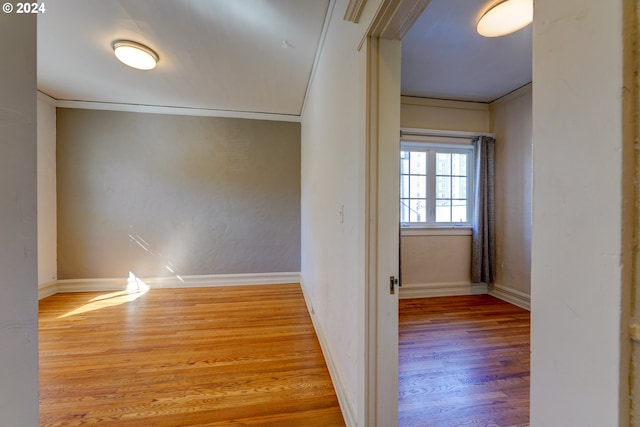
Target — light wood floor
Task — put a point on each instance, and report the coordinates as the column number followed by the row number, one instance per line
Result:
column 236, row 356
column 464, row 361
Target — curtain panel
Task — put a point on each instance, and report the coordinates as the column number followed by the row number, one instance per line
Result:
column 483, row 251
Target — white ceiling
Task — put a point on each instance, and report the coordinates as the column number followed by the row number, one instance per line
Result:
column 444, row 57
column 227, row 55
column 214, row 54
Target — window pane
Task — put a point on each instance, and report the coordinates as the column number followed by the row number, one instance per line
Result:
column 418, row 164
column 418, row 211
column 442, row 174
column 443, row 210
column 443, row 164
column 404, row 162
column 404, row 210
column 459, row 211
column 443, row 187
column 404, row 186
column 418, row 187
column 459, row 164
column 459, row 188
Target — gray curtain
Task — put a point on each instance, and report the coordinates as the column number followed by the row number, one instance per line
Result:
column 483, row 250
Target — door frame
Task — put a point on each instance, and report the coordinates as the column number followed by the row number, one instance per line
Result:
column 380, row 49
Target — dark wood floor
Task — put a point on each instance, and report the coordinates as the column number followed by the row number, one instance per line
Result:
column 236, row 356
column 464, row 361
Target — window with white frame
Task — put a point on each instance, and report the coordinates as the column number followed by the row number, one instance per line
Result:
column 436, row 187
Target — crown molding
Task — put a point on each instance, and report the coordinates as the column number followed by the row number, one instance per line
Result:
column 523, row 90
column 159, row 109
column 394, row 18
column 354, row 10
column 443, row 103
column 46, row 98
column 406, row 14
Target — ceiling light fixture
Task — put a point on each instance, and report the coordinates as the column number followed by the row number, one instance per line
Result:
column 135, row 55
column 505, row 18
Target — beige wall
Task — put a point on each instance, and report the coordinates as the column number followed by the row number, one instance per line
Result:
column 333, row 210
column 47, row 216
column 18, row 223
column 511, row 126
column 579, row 277
column 438, row 261
column 425, row 113
column 143, row 193
column 442, row 262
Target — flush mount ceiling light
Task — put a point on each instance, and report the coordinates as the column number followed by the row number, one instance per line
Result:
column 505, row 18
column 135, row 55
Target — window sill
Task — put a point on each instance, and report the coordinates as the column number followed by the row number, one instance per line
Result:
column 436, row 231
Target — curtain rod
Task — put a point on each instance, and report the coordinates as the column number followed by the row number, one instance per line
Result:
column 402, row 134
column 442, row 133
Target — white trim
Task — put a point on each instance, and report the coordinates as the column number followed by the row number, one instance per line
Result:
column 47, row 289
column 443, row 103
column 406, row 132
column 178, row 111
column 511, row 295
column 425, row 143
column 408, row 231
column 354, row 10
column 445, row 289
column 316, row 60
column 342, row 392
column 431, row 150
column 404, row 16
column 46, row 98
column 523, row 90
column 210, row 280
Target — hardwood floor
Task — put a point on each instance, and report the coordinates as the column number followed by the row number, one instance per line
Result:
column 464, row 361
column 230, row 356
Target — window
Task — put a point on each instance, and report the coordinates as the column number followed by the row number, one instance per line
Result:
column 436, row 184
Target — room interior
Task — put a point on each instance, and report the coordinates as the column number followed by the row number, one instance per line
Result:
column 131, row 160
column 333, row 212
column 470, row 100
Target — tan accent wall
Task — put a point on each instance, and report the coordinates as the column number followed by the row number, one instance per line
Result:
column 429, row 259
column 161, row 195
column 425, row 113
column 436, row 259
column 511, row 126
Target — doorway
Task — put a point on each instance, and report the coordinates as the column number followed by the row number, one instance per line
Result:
column 567, row 266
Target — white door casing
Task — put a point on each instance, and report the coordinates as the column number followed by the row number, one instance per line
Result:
column 383, row 127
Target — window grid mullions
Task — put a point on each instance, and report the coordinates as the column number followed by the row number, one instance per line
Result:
column 431, row 190
column 408, row 200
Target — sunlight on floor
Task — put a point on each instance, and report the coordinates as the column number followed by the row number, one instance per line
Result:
column 135, row 289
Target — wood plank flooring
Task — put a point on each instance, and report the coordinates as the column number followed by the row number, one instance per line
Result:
column 463, row 361
column 230, row 356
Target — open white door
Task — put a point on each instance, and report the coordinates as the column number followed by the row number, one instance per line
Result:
column 383, row 124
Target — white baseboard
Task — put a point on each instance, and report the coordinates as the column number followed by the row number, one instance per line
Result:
column 445, row 289
column 344, row 397
column 511, row 295
column 210, row 280
column 47, row 289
